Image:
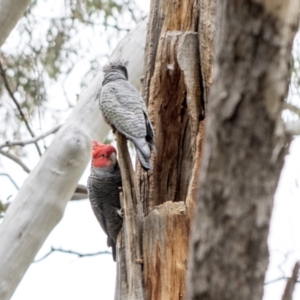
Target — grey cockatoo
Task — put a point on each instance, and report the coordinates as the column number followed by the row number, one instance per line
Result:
column 124, row 109
column 104, row 185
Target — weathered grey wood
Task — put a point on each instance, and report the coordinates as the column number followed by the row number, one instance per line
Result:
column 165, row 16
column 174, row 107
column 207, row 32
column 244, row 150
column 41, row 201
column 173, row 89
column 188, row 58
column 129, row 284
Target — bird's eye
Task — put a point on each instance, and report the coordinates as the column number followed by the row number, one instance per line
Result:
column 103, row 155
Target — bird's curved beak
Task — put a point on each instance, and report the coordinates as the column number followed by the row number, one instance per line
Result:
column 113, row 158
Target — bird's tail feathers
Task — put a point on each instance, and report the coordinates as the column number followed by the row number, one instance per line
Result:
column 151, row 143
column 145, row 162
column 150, row 133
column 111, row 243
column 143, row 152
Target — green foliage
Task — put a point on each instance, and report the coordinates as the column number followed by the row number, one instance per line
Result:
column 47, row 45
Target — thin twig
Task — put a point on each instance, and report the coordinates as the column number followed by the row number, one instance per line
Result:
column 79, row 196
column 71, row 252
column 292, row 127
column 293, row 108
column 16, row 159
column 11, row 94
column 279, row 279
column 31, row 141
column 276, row 280
column 80, row 193
column 3, row 207
column 11, row 179
column 290, row 286
column 127, row 3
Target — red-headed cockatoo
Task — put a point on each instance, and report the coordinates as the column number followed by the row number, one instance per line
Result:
column 104, row 184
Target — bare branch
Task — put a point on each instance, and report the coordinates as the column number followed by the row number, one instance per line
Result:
column 79, row 196
column 31, row 141
column 3, row 208
column 11, row 12
column 293, row 127
column 129, row 274
column 81, row 189
column 279, row 279
column 80, row 193
column 16, row 159
column 276, row 280
column 11, row 94
column 290, row 286
column 11, row 179
column 292, row 108
column 71, row 252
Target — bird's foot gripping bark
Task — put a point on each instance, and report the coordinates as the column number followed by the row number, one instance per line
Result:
column 120, row 212
column 113, row 128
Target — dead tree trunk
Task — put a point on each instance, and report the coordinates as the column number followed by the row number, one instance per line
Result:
column 176, row 107
column 244, row 149
column 159, row 204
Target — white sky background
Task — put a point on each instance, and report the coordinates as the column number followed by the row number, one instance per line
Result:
column 65, row 276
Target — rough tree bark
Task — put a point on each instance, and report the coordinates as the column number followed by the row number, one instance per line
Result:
column 244, row 149
column 175, row 102
column 243, row 158
column 159, row 204
column 41, row 201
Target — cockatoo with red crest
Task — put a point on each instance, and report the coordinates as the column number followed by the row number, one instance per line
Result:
column 104, row 184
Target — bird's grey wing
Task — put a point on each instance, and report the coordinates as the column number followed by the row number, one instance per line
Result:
column 149, row 129
column 121, row 106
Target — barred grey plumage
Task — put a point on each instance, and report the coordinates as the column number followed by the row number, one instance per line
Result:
column 104, row 185
column 124, row 109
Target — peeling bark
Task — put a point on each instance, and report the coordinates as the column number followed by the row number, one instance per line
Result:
column 206, row 32
column 166, row 15
column 165, row 238
column 172, row 126
column 188, row 61
column 129, row 284
column 173, row 90
column 193, row 185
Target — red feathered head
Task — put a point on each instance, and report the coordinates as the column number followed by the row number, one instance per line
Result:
column 103, row 155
